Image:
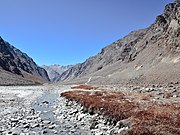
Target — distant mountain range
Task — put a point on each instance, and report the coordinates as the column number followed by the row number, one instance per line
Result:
column 54, row 71
column 17, row 68
column 150, row 55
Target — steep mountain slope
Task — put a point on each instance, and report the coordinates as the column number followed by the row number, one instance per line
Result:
column 108, row 55
column 54, row 71
column 149, row 55
column 19, row 65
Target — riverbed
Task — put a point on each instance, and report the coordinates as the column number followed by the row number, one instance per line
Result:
column 38, row 110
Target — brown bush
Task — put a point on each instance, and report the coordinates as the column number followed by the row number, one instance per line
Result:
column 146, row 118
column 85, row 87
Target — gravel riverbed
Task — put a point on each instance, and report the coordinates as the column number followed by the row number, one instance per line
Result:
column 38, row 110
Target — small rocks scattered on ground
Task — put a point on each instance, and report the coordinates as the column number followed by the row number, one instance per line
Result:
column 169, row 92
column 40, row 110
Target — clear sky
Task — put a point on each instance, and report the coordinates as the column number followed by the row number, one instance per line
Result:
column 69, row 31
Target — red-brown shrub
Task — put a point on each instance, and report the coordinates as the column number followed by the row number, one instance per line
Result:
column 146, row 118
column 85, row 87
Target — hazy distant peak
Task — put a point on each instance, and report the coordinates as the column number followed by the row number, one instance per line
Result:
column 55, row 70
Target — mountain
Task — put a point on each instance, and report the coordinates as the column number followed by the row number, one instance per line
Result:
column 146, row 56
column 54, row 71
column 17, row 68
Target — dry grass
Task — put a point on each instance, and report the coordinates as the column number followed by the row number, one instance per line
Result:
column 146, row 118
column 85, row 87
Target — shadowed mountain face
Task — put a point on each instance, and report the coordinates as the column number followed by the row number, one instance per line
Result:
column 54, row 71
column 20, row 65
column 150, row 55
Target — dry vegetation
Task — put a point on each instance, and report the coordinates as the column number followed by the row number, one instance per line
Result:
column 84, row 87
column 144, row 117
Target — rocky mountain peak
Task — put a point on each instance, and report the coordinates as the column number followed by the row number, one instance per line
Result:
column 170, row 15
column 168, row 25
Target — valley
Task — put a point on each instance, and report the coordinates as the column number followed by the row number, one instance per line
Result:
column 37, row 110
column 62, row 110
column 131, row 87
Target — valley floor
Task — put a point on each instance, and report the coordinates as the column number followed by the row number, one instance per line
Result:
column 87, row 110
column 38, row 110
column 135, row 110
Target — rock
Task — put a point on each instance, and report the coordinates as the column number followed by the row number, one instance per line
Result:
column 14, row 133
column 73, row 130
column 9, row 132
column 51, row 126
column 33, row 133
column 39, row 119
column 123, row 129
column 94, row 125
column 24, row 122
column 35, row 125
column 55, row 132
column 29, row 117
column 112, row 132
column 45, row 102
column 14, row 120
column 73, row 112
column 46, row 122
column 79, row 118
column 26, row 126
column 174, row 91
column 99, row 133
column 44, row 132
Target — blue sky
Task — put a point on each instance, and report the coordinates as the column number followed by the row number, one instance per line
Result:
column 69, row 31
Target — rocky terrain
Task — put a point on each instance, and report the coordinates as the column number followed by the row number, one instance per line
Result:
column 54, row 71
column 16, row 65
column 147, row 56
column 40, row 110
column 132, row 110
